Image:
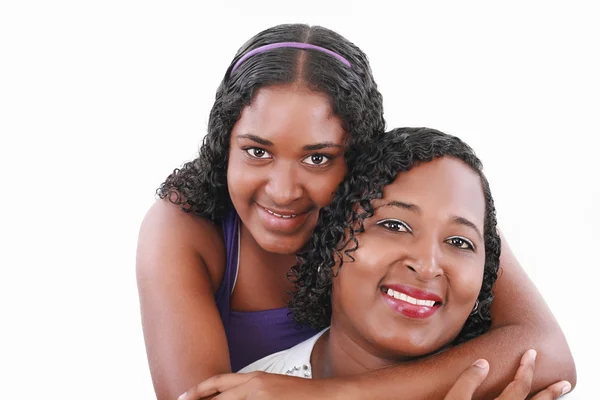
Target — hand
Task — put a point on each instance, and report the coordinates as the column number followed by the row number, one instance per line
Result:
column 262, row 386
column 215, row 385
column 518, row 389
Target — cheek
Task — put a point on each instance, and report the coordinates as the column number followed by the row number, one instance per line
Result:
column 350, row 292
column 378, row 250
column 323, row 187
column 359, row 278
column 241, row 181
column 466, row 284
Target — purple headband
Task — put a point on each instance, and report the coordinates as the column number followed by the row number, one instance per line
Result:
column 296, row 45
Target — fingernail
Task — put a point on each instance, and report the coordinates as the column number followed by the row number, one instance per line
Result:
column 566, row 388
column 181, row 396
column 533, row 354
column 481, row 364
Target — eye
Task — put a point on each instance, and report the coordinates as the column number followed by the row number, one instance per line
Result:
column 395, row 225
column 316, row 159
column 460, row 242
column 257, row 152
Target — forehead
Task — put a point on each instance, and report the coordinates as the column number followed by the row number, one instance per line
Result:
column 445, row 184
column 290, row 111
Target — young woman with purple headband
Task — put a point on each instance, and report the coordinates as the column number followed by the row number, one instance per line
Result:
column 292, row 112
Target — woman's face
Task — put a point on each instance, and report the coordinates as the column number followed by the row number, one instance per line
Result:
column 419, row 264
column 286, row 159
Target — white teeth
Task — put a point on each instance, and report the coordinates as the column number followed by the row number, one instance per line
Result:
column 408, row 299
column 281, row 216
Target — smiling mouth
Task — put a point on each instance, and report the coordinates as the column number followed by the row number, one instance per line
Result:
column 281, row 214
column 409, row 299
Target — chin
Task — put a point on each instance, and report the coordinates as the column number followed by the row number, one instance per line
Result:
column 403, row 346
column 424, row 349
column 282, row 245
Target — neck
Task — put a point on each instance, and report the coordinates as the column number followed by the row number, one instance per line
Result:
column 258, row 256
column 339, row 353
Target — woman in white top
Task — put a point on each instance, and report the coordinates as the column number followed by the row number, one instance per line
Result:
column 401, row 266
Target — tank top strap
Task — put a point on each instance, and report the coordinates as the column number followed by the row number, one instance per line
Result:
column 230, row 226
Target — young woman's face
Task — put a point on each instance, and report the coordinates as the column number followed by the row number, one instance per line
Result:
column 419, row 264
column 286, row 159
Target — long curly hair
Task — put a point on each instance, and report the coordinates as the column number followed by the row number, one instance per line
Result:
column 397, row 151
column 200, row 185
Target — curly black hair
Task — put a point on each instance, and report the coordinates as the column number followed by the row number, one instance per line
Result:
column 397, row 151
column 200, row 186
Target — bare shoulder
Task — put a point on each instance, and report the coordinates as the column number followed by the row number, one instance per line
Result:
column 179, row 266
column 172, row 239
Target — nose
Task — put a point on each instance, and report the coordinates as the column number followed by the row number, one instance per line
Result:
column 283, row 186
column 424, row 259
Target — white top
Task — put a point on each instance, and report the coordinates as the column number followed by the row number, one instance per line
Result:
column 294, row 361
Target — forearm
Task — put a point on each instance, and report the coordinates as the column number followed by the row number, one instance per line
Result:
column 432, row 378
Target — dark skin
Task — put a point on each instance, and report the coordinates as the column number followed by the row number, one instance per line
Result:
column 253, row 385
column 286, row 154
column 286, row 157
column 181, row 259
column 425, row 234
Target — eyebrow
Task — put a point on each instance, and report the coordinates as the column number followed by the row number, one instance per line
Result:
column 324, row 145
column 308, row 147
column 256, row 139
column 415, row 208
column 463, row 221
column 400, row 204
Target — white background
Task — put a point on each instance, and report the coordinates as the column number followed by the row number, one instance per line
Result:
column 99, row 101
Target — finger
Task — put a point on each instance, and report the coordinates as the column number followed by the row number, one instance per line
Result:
column 554, row 391
column 240, row 392
column 216, row 384
column 520, row 386
column 469, row 381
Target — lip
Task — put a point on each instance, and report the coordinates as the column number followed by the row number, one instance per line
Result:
column 410, row 310
column 280, row 224
column 414, row 292
column 282, row 212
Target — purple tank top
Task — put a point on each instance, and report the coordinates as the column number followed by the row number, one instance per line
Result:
column 252, row 335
